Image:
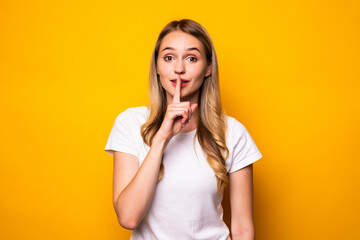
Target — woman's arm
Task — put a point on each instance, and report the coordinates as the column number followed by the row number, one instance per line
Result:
column 241, row 197
column 133, row 186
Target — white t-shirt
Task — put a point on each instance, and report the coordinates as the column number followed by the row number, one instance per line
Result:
column 186, row 204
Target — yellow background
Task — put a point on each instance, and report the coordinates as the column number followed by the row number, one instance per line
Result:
column 289, row 71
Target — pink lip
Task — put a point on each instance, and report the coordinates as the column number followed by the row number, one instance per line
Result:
column 180, row 78
column 184, row 82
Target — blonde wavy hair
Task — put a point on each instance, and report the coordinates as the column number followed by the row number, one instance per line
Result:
column 211, row 127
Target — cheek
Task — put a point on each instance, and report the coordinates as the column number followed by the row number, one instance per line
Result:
column 163, row 69
column 198, row 72
column 163, row 80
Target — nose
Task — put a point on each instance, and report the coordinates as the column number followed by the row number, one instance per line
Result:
column 179, row 67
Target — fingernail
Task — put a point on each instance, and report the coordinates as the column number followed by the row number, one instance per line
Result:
column 189, row 120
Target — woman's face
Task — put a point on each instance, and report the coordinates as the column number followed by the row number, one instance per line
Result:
column 181, row 54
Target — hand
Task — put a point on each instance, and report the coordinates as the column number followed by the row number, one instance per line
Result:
column 178, row 114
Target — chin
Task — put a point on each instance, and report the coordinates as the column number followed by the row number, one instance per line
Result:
column 187, row 96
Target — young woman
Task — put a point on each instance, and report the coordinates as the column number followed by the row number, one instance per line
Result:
column 173, row 159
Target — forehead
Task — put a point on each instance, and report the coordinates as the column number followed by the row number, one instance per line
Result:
column 180, row 41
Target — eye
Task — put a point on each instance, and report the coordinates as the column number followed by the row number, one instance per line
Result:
column 167, row 58
column 195, row 59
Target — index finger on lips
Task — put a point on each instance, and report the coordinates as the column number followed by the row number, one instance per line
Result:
column 176, row 98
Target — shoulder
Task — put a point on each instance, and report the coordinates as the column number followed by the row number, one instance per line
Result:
column 242, row 148
column 234, row 127
column 236, row 131
column 138, row 114
column 132, row 118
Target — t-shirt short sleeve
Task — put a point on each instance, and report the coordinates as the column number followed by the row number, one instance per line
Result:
column 243, row 148
column 121, row 137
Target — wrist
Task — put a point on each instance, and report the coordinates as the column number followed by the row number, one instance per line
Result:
column 159, row 140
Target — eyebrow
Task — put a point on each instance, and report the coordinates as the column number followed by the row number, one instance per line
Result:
column 188, row 49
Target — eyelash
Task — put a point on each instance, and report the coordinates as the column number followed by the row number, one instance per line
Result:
column 165, row 58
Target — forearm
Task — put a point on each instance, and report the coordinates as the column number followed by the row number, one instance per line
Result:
column 246, row 233
column 134, row 201
column 244, row 237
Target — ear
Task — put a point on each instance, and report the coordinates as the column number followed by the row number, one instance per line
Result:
column 208, row 70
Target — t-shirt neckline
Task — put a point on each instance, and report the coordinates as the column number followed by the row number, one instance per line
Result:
column 187, row 133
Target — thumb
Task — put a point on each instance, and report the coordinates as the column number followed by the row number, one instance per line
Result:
column 193, row 107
